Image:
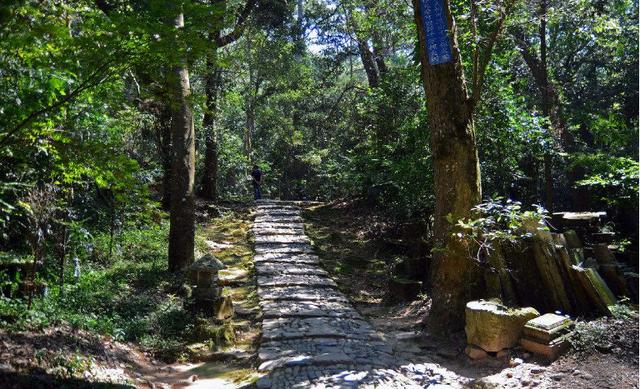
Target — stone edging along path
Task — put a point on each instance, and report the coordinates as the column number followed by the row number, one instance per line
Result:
column 312, row 337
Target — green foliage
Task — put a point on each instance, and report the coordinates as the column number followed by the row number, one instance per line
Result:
column 613, row 179
column 500, row 221
column 133, row 298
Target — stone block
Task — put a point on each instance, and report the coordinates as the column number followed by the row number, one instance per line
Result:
column 475, row 353
column 493, row 327
column 548, row 327
column 549, row 351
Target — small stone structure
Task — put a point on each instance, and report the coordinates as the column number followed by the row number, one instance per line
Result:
column 492, row 327
column 207, row 292
column 547, row 335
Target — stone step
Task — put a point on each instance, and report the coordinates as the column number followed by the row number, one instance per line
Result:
column 275, row 309
column 260, row 239
column 341, row 375
column 264, row 268
column 357, row 357
column 277, row 206
column 317, row 327
column 292, row 258
column 296, row 226
column 301, row 293
column 297, row 279
column 277, row 212
column 278, row 219
column 271, row 350
column 261, row 231
column 283, row 248
column 263, row 202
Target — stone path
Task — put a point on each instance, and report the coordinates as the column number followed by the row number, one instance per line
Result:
column 312, row 337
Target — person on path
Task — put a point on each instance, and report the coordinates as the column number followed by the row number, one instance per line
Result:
column 256, row 175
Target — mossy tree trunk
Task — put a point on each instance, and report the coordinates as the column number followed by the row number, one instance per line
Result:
column 455, row 278
column 182, row 201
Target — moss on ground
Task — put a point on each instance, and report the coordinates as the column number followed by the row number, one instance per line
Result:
column 346, row 248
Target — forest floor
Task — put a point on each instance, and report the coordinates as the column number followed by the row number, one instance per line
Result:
column 358, row 247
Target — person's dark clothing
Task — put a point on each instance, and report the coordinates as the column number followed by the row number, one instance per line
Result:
column 257, row 180
column 257, row 175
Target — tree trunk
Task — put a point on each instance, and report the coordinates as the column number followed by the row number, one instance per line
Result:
column 548, row 181
column 182, row 228
column 213, row 81
column 249, row 129
column 165, row 155
column 368, row 62
column 549, row 101
column 455, row 278
column 379, row 54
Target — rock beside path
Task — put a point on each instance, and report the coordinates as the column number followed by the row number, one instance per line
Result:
column 494, row 327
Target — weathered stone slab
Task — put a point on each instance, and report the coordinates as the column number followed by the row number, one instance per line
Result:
column 265, row 268
column 282, row 239
column 262, row 202
column 278, row 219
column 277, row 212
column 304, row 293
column 276, row 206
column 274, row 309
column 319, row 361
column 296, row 226
column 293, row 258
column 281, row 248
column 292, row 280
column 301, row 328
column 355, row 348
column 258, row 231
column 344, row 375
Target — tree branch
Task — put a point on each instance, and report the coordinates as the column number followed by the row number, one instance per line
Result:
column 239, row 27
column 92, row 80
column 476, row 44
column 486, row 55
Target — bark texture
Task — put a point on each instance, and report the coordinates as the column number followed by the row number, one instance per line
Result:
column 369, row 63
column 182, row 228
column 165, row 148
column 455, row 278
column 213, row 82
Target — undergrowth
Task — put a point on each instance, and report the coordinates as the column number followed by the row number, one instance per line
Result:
column 129, row 296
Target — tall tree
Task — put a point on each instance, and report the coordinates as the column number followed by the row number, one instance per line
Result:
column 455, row 279
column 182, row 228
column 549, row 97
column 213, row 84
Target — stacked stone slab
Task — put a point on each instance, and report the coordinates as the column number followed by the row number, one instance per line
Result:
column 547, row 335
column 311, row 335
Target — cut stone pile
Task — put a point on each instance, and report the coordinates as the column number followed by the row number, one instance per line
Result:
column 311, row 335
